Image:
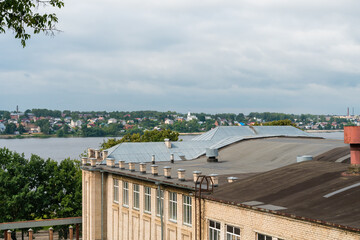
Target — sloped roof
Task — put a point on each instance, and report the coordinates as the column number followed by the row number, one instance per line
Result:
column 216, row 138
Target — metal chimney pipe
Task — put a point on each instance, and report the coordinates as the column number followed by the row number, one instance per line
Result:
column 352, row 137
column 172, row 158
column 153, row 159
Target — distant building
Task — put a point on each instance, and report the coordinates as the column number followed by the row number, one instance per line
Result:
column 255, row 189
column 190, row 117
column 169, row 121
column 75, row 124
column 112, row 120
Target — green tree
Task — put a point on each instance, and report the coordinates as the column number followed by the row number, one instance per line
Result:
column 20, row 16
column 10, row 128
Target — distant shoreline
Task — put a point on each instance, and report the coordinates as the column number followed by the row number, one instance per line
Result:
column 324, row 131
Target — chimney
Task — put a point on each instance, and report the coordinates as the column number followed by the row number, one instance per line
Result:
column 122, row 164
column 167, row 142
column 181, row 174
column 153, row 159
column 215, row 179
column 143, row 168
column 84, row 160
column 110, row 162
column 93, row 162
column 232, row 179
column 196, row 174
column 352, row 137
column 211, row 155
column 132, row 167
column 167, row 172
column 154, row 170
column 104, row 154
column 90, row 153
column 172, row 158
column 97, row 153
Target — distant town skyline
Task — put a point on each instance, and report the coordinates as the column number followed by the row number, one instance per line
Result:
column 214, row 56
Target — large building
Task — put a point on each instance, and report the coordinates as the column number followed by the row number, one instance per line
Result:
column 255, row 184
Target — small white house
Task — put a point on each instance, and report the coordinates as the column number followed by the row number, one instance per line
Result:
column 2, row 127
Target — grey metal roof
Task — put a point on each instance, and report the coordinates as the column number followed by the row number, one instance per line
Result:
column 216, row 138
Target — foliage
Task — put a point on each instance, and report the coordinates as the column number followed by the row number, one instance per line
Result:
column 38, row 188
column 19, row 16
column 286, row 122
column 46, row 113
column 148, row 136
column 44, row 126
column 10, row 128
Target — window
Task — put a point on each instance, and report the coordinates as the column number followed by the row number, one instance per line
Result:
column 116, row 190
column 266, row 237
column 147, row 192
column 173, row 206
column 187, row 208
column 136, row 196
column 232, row 233
column 214, row 230
column 159, row 202
column 126, row 194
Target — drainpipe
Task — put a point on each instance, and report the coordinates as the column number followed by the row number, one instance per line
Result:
column 102, row 205
column 161, row 211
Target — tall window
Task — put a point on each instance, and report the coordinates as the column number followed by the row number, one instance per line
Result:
column 187, row 208
column 232, row 233
column 147, row 193
column 136, row 196
column 214, row 230
column 126, row 194
column 173, row 206
column 116, row 190
column 159, row 202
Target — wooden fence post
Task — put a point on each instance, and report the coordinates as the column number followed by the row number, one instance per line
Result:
column 30, row 234
column 51, row 233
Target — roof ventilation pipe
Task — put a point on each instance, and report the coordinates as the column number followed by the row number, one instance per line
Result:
column 142, row 168
column 215, row 179
column 104, row 154
column 167, row 143
column 304, row 158
column 110, row 162
column 122, row 164
column 84, row 160
column 154, row 170
column 172, row 158
column 232, row 179
column 167, row 172
column 153, row 159
column 181, row 174
column 211, row 155
column 196, row 174
column 93, row 162
column 132, row 167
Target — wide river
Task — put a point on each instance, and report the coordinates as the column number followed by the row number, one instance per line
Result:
column 61, row 148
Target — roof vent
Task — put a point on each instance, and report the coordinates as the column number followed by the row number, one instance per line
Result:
column 93, row 162
column 167, row 142
column 167, row 172
column 84, row 160
column 154, row 170
column 352, row 137
column 304, row 158
column 215, row 179
column 142, row 168
column 110, row 162
column 196, row 174
column 172, row 158
column 97, row 153
column 232, row 179
column 132, row 167
column 181, row 174
column 212, row 154
column 104, row 154
column 153, row 159
column 122, row 164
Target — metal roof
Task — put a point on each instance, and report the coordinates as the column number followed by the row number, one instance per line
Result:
column 216, row 138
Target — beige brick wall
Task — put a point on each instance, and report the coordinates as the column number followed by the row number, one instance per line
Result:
column 251, row 221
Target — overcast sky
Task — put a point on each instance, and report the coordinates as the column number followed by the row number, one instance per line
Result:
column 199, row 56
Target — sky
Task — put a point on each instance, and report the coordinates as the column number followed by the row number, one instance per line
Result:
column 201, row 56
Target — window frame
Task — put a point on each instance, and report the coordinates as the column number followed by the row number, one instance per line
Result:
column 125, row 194
column 187, row 210
column 159, row 202
column 215, row 230
column 173, row 206
column 115, row 190
column 136, row 196
column 147, row 199
column 233, row 235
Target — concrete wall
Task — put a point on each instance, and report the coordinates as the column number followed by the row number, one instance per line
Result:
column 252, row 222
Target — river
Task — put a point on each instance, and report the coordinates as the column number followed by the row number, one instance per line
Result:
column 61, row 148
